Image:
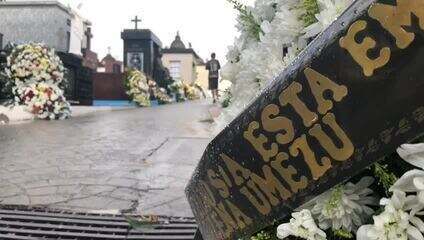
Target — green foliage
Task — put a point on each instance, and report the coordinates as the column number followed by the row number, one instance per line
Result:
column 247, row 19
column 341, row 233
column 227, row 98
column 311, row 8
column 385, row 178
column 265, row 235
column 6, row 84
column 336, row 196
column 139, row 224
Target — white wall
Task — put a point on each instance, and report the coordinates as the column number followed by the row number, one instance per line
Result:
column 77, row 34
column 45, row 24
column 187, row 60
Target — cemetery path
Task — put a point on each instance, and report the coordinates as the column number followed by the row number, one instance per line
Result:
column 122, row 160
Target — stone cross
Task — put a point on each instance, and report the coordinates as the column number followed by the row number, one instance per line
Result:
column 136, row 20
column 89, row 36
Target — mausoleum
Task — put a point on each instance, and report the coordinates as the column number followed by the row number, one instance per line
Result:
column 59, row 27
column 184, row 63
column 142, row 51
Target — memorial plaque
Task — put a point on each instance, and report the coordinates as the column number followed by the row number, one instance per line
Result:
column 352, row 97
column 135, row 60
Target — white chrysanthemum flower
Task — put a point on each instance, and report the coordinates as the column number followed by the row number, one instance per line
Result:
column 229, row 71
column 412, row 181
column 138, row 88
column 302, row 225
column 31, row 61
column 282, row 39
column 233, row 54
column 329, row 11
column 395, row 223
column 413, row 154
column 42, row 100
column 264, row 10
column 294, row 50
column 345, row 207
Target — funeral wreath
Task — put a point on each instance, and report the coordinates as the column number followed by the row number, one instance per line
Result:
column 382, row 202
column 137, row 87
column 36, row 76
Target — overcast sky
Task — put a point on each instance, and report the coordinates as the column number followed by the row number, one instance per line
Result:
column 207, row 24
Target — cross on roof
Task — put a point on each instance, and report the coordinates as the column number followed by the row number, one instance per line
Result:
column 89, row 36
column 136, row 20
column 88, row 33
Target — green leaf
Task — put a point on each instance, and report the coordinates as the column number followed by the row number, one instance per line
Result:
column 343, row 234
column 139, row 224
column 246, row 18
column 311, row 9
column 385, row 177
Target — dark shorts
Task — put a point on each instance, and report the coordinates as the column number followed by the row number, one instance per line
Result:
column 213, row 83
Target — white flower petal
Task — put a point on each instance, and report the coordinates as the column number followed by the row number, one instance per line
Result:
column 417, row 223
column 362, row 233
column 284, row 230
column 413, row 154
column 414, row 233
column 406, row 182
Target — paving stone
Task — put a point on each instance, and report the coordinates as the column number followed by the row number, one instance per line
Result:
column 93, row 203
column 43, row 191
column 74, row 167
column 69, row 190
column 18, row 167
column 16, row 200
column 96, row 189
column 47, row 200
column 122, row 182
column 106, row 161
column 119, row 204
column 35, row 184
column 42, row 171
column 123, row 193
column 9, row 191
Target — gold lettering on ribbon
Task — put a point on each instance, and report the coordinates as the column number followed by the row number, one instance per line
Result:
column 239, row 174
column 288, row 172
column 319, row 85
column 207, row 194
column 225, row 177
column 226, row 218
column 242, row 219
column 259, row 142
column 301, row 145
column 290, row 97
column 215, row 221
column 394, row 18
column 259, row 201
column 359, row 50
column 339, row 154
column 218, row 183
column 271, row 186
column 273, row 123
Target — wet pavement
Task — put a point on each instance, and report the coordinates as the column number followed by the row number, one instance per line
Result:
column 137, row 159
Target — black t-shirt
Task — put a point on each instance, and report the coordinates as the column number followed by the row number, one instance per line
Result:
column 213, row 66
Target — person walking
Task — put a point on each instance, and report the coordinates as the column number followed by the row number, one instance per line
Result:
column 213, row 66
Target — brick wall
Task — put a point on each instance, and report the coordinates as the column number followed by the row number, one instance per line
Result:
column 109, row 86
